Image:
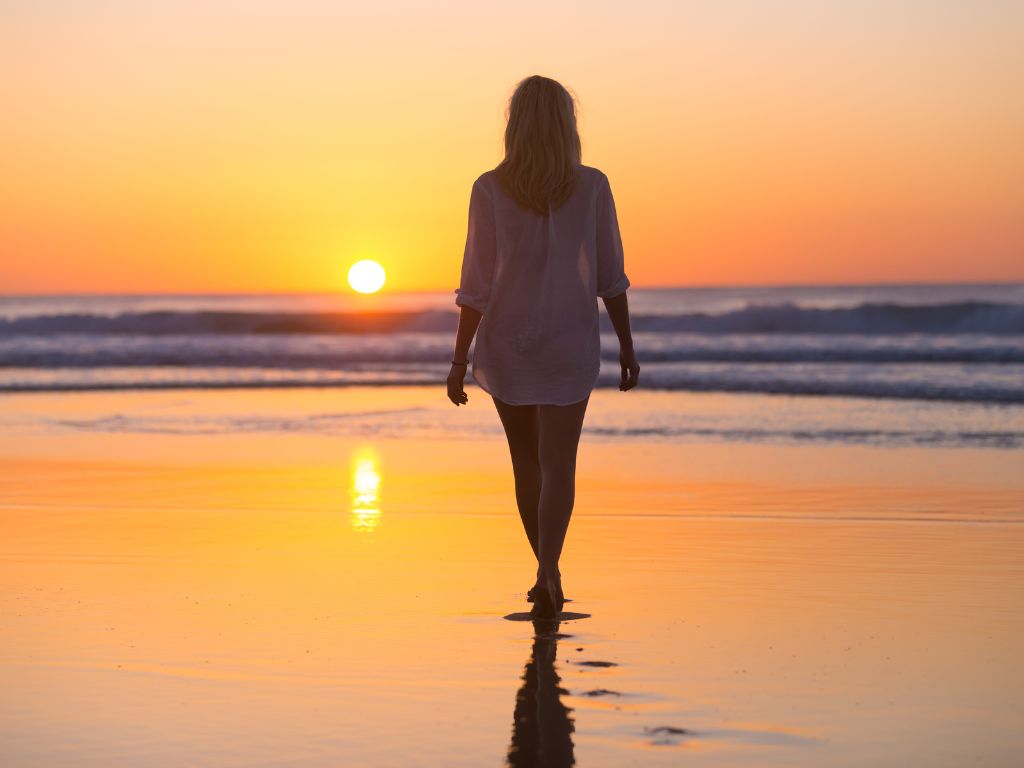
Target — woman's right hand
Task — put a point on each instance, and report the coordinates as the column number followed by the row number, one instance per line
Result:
column 618, row 313
column 630, row 369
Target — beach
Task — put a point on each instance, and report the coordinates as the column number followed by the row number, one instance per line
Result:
column 250, row 255
column 315, row 577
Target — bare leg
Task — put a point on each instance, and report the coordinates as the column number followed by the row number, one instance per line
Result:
column 559, row 428
column 521, row 429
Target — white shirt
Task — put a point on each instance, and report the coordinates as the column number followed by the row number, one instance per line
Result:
column 536, row 280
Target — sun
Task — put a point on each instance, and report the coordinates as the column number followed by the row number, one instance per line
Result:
column 366, row 276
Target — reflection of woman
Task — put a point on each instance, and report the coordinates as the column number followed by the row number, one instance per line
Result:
column 541, row 726
column 543, row 245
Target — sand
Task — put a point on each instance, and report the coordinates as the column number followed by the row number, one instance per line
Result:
column 267, row 598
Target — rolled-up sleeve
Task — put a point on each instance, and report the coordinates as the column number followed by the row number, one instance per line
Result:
column 481, row 244
column 611, row 275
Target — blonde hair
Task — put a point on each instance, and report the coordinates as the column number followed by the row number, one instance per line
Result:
column 542, row 145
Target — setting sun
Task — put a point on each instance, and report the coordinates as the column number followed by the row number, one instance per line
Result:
column 366, row 276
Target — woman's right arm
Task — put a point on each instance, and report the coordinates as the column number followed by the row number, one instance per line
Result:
column 618, row 313
column 612, row 282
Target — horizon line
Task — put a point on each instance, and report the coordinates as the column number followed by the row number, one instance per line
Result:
column 370, row 297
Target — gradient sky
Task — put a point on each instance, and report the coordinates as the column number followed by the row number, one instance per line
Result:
column 265, row 146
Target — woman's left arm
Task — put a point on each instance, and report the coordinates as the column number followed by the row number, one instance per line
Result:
column 475, row 286
column 469, row 321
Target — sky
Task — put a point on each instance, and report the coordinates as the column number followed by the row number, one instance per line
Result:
column 197, row 146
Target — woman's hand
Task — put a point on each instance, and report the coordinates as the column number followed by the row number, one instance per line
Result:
column 630, row 368
column 469, row 320
column 618, row 313
column 456, row 377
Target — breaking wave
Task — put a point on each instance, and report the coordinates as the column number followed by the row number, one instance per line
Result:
column 965, row 317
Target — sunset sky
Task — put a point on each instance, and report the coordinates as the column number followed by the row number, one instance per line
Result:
column 197, row 146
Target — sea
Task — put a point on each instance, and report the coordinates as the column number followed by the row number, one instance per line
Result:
column 938, row 364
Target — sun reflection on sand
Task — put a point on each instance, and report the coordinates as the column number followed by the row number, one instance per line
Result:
column 365, row 491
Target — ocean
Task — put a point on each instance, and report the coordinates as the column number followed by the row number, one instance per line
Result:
column 926, row 364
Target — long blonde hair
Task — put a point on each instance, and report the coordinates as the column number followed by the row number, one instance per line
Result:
column 542, row 145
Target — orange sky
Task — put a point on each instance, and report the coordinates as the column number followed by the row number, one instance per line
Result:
column 258, row 146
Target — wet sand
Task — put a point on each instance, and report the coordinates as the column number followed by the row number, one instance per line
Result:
column 302, row 599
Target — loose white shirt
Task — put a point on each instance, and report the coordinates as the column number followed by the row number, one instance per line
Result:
column 536, row 280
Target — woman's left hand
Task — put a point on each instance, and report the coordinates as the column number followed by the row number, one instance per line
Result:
column 456, row 377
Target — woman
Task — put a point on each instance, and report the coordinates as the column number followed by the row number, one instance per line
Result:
column 543, row 245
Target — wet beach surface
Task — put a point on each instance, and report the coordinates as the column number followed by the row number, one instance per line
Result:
column 309, row 599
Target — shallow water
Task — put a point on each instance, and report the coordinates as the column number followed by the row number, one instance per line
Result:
column 405, row 412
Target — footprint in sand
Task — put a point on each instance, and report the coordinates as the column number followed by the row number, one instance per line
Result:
column 600, row 692
column 667, row 735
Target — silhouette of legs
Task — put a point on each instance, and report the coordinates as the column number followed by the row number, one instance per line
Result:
column 559, row 437
column 542, row 441
column 521, row 429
